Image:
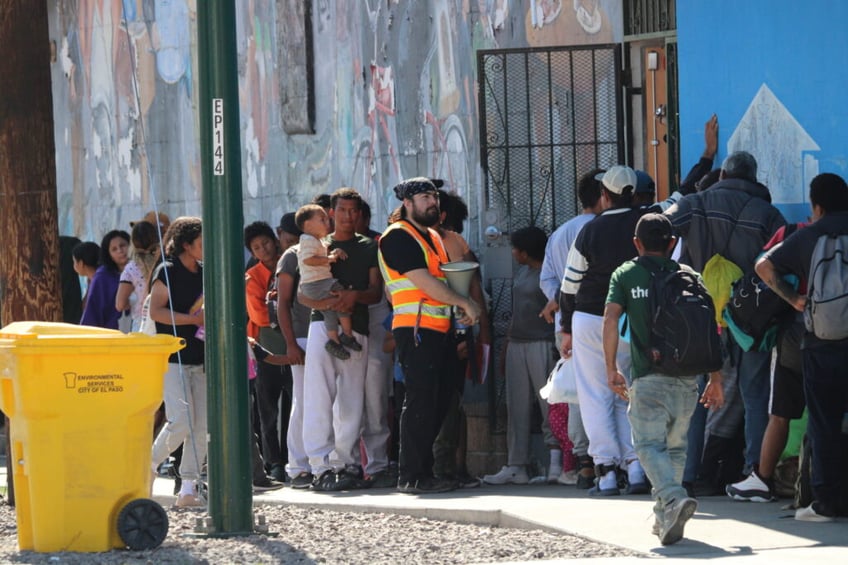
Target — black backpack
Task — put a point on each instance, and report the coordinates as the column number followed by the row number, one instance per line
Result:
column 684, row 334
column 754, row 313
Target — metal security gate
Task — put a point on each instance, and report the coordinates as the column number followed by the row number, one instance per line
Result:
column 547, row 116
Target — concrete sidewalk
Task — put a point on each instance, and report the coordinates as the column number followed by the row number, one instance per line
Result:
column 721, row 529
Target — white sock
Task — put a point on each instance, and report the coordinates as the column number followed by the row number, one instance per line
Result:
column 187, row 488
column 608, row 481
column 635, row 473
column 555, row 466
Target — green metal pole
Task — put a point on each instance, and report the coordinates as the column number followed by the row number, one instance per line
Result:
column 230, row 485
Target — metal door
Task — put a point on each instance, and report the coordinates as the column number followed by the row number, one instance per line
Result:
column 548, row 115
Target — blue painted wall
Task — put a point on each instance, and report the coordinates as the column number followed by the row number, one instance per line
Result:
column 729, row 49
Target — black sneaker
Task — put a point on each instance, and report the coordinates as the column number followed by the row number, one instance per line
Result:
column 463, row 480
column 585, row 482
column 350, row 478
column 349, row 342
column 266, row 484
column 278, row 472
column 467, row 481
column 426, row 485
column 325, row 482
column 585, row 472
column 383, row 479
column 302, row 480
column 337, row 350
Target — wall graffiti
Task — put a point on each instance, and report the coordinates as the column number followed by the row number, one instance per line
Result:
column 395, row 96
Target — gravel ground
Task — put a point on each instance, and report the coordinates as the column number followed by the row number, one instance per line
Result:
column 324, row 536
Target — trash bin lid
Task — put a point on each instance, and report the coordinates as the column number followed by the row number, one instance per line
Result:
column 50, row 334
column 33, row 330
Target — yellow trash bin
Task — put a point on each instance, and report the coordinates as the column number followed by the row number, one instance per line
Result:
column 81, row 402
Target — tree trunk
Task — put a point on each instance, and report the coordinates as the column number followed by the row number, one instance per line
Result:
column 29, row 253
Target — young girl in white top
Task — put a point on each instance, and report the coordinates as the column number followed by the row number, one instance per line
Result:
column 133, row 286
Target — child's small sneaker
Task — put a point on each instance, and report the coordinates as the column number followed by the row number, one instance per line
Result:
column 567, row 478
column 337, row 350
column 350, row 342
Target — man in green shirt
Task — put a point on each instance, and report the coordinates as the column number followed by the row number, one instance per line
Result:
column 660, row 405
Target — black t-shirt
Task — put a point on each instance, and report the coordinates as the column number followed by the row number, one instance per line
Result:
column 185, row 296
column 606, row 242
column 796, row 251
column 401, row 251
column 353, row 273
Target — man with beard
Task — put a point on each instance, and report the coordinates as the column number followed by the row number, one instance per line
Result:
column 411, row 255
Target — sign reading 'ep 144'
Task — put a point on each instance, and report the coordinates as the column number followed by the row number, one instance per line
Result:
column 218, row 137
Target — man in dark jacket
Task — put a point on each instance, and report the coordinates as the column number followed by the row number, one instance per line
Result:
column 734, row 218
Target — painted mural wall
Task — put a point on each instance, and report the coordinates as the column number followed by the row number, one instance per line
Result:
column 770, row 70
column 395, row 96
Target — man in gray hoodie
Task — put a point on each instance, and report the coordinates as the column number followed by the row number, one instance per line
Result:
column 734, row 218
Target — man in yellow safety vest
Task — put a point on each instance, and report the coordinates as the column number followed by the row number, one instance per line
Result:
column 411, row 255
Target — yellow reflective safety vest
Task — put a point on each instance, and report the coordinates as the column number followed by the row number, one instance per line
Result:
column 411, row 307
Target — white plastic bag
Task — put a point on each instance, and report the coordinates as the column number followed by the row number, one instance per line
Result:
column 561, row 386
column 147, row 325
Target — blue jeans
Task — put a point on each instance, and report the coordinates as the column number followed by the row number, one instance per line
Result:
column 695, row 436
column 660, row 410
column 754, row 375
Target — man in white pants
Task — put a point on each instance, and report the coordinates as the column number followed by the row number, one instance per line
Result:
column 601, row 246
column 293, row 319
column 334, row 390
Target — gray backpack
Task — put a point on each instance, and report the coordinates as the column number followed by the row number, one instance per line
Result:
column 826, row 314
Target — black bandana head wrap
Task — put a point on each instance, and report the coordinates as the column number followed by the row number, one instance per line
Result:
column 410, row 187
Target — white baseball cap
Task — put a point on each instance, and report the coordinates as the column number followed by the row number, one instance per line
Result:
column 617, row 178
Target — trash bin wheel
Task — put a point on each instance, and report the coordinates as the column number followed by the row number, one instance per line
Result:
column 142, row 524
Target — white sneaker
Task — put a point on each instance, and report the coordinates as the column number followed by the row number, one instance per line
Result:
column 509, row 474
column 810, row 514
column 189, row 501
column 567, row 478
column 554, row 471
column 751, row 488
